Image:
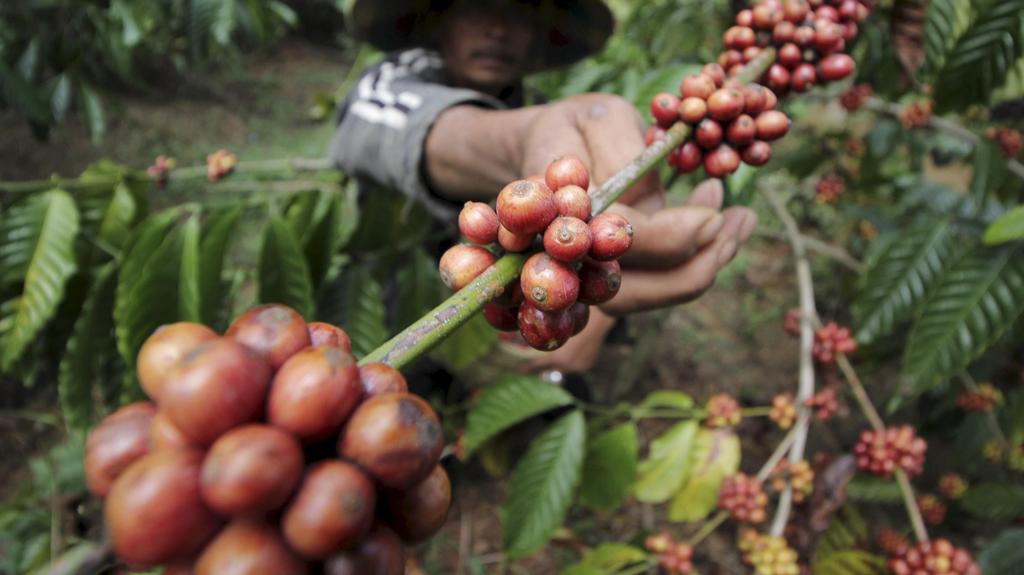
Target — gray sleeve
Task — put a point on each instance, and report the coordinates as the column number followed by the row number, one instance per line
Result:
column 383, row 126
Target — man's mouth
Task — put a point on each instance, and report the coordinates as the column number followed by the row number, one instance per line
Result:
column 492, row 56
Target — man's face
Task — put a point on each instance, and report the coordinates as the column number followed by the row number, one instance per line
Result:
column 486, row 44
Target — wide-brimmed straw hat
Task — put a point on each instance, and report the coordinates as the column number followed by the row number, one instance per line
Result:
column 572, row 29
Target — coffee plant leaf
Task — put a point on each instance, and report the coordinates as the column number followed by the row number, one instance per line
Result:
column 540, row 490
column 972, row 304
column 118, row 216
column 945, row 23
column 668, row 463
column 189, row 303
column 361, row 301
column 606, row 559
column 982, row 56
column 91, row 343
column 1008, row 228
column 213, row 245
column 995, row 501
column 42, row 230
column 419, row 287
column 851, row 562
column 1004, row 555
column 873, row 490
column 846, row 532
column 666, row 398
column 508, row 402
column 283, row 273
column 467, row 344
column 990, row 172
column 609, row 467
column 715, row 456
column 897, row 281
column 333, row 222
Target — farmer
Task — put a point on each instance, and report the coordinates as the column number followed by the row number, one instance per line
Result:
column 445, row 118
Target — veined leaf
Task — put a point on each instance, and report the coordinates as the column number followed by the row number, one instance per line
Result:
column 419, row 287
column 995, row 501
column 873, row 490
column 851, row 562
column 118, row 215
column 90, row 345
column 606, row 558
column 49, row 224
column 212, row 248
column 362, row 304
column 188, row 278
column 508, row 402
column 470, row 342
column 846, row 532
column 946, row 22
column 716, row 455
column 284, row 276
column 990, row 172
column 973, row 303
column 668, row 464
column 1005, row 555
column 1008, row 228
column 541, row 487
column 609, row 467
column 898, row 280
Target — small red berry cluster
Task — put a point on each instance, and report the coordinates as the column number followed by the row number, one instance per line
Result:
column 1010, row 141
column 891, row 542
column 744, row 498
column 933, row 558
column 952, row 486
column 810, row 37
column 831, row 339
column 160, row 169
column 768, row 554
column 220, row 164
column 916, row 114
column 825, row 403
column 829, row 188
column 855, row 97
column 798, row 475
column 933, row 510
column 674, row 558
column 791, row 321
column 986, row 397
column 783, row 410
column 722, row 411
column 577, row 268
column 882, row 452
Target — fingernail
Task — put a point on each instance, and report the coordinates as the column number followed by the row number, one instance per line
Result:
column 726, row 252
column 709, row 230
column 748, row 225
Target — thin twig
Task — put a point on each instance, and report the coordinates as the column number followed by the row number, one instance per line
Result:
column 910, row 502
column 821, row 248
column 859, row 393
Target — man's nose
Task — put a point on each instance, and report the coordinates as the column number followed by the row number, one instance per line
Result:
column 496, row 28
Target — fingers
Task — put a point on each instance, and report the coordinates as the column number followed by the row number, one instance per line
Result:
column 649, row 289
column 708, row 194
column 670, row 236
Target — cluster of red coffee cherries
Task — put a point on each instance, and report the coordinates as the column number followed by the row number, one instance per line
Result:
column 1010, row 141
column 160, row 170
column 267, row 448
column 883, row 452
column 744, row 498
column 934, row 558
column 916, row 114
column 933, row 510
column 825, row 403
column 952, row 486
column 855, row 97
column 783, row 410
column 674, row 558
column 831, row 339
column 797, row 475
column 220, row 164
column 985, row 398
column 722, row 411
column 577, row 268
column 829, row 188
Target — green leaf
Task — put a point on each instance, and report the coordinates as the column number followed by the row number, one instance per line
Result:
column 990, row 171
column 50, row 221
column 873, row 490
column 89, row 347
column 1008, row 228
column 852, row 562
column 471, row 341
column 973, row 303
column 283, row 274
column 982, row 56
column 995, row 501
column 419, row 287
column 666, row 398
column 1004, row 555
column 716, row 455
column 898, row 280
column 846, row 532
column 60, row 98
column 507, row 403
column 92, row 105
column 668, row 464
column 362, row 304
column 212, row 248
column 606, row 558
column 946, row 22
column 609, row 467
column 188, row 279
column 115, row 226
column 541, row 487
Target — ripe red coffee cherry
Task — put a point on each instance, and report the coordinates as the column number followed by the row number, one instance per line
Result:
column 613, row 236
column 755, row 99
column 653, row 134
column 744, row 18
column 514, row 242
column 698, row 85
column 804, row 36
column 740, row 37
column 163, row 349
column 567, row 239
column 783, row 32
column 331, row 511
column 741, row 131
column 217, row 386
column 693, row 110
column 249, row 547
column 573, row 201
column 548, row 283
column 580, row 316
column 395, row 437
column 502, row 317
column 121, row 439
column 804, row 77
column 566, row 171
column 715, row 72
column 758, row 153
column 689, row 157
column 526, row 207
column 154, row 512
column 274, row 331
column 379, row 553
column 546, row 331
column 164, row 435
column 836, row 67
column 721, row 161
column 479, row 223
column 778, row 78
column 728, row 60
column 314, row 392
column 790, row 55
column 251, row 469
column 826, row 13
column 750, row 53
column 665, row 109
column 770, row 101
column 795, row 11
column 771, row 125
column 766, row 16
column 321, row 333
column 708, row 133
column 462, row 263
column 725, row 104
column 380, row 378
column 828, row 35
column 849, row 31
column 419, row 512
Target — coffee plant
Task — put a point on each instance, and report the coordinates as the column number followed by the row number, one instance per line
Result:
column 931, row 268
